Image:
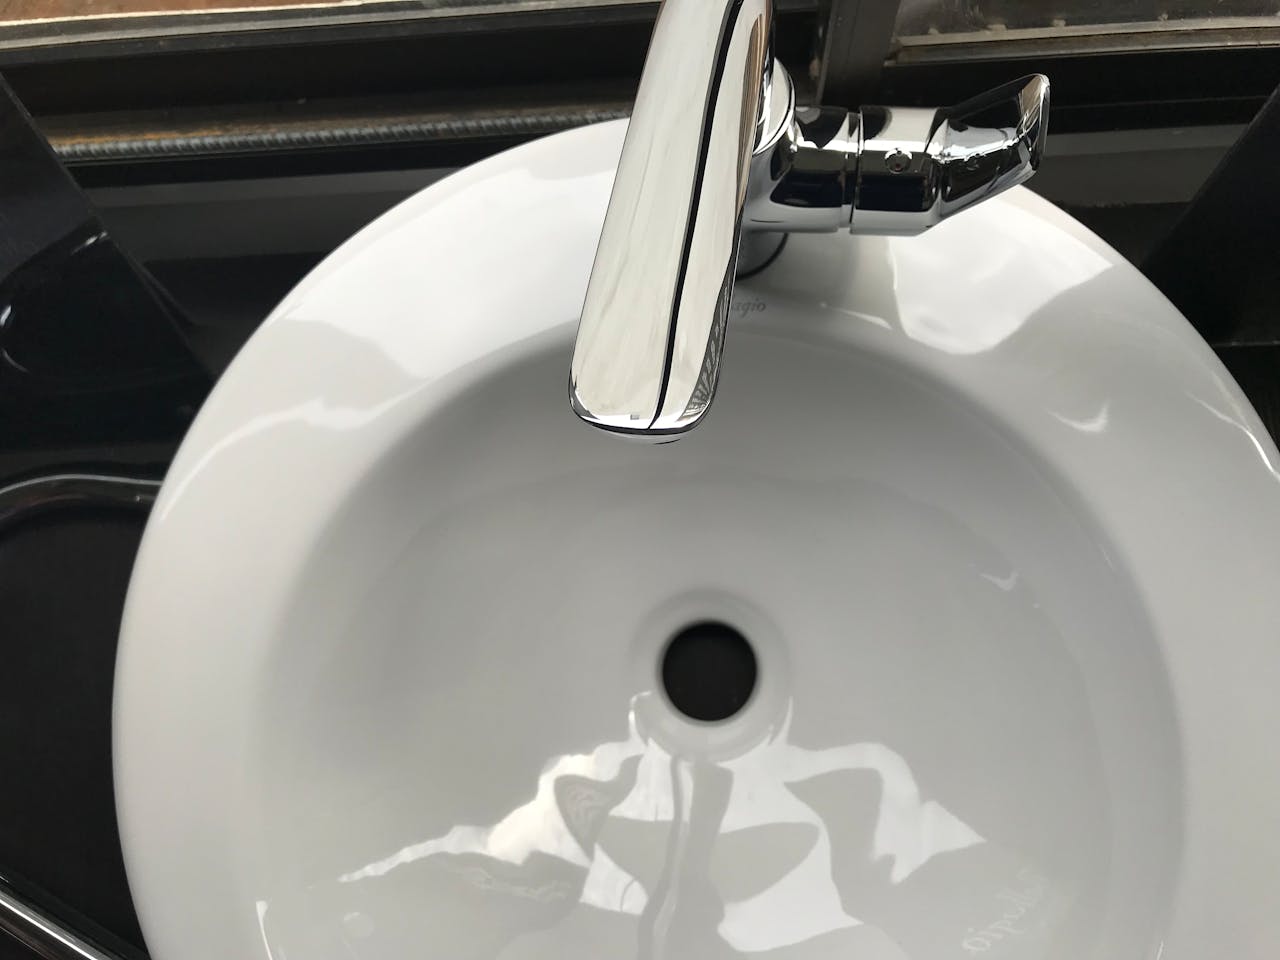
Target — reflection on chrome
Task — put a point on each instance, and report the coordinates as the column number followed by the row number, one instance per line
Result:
column 768, row 850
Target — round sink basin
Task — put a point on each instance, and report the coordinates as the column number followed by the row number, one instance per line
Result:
column 950, row 633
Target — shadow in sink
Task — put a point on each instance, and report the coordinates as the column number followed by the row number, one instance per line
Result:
column 952, row 706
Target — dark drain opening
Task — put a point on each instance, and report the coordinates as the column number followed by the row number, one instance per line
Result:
column 709, row 671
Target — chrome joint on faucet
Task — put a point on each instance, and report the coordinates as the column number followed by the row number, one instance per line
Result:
column 717, row 147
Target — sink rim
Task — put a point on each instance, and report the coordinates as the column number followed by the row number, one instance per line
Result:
column 1178, row 365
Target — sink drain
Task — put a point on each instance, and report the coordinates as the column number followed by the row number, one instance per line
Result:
column 709, row 671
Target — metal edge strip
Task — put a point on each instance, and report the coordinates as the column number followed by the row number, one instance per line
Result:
column 80, row 148
column 45, row 937
column 26, row 498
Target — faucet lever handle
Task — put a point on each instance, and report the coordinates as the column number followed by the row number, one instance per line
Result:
column 918, row 167
column 994, row 141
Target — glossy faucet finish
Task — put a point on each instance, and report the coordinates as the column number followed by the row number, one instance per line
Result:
column 648, row 351
column 716, row 146
column 917, row 167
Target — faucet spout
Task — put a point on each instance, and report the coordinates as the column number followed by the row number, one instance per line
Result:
column 716, row 146
column 649, row 343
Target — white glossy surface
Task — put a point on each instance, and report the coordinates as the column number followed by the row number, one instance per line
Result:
column 1003, row 533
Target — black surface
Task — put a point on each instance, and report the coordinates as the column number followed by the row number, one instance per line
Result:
column 1256, row 367
column 225, row 299
column 856, row 36
column 1108, row 91
column 93, row 364
column 1220, row 264
column 62, row 588
column 90, row 347
column 11, row 949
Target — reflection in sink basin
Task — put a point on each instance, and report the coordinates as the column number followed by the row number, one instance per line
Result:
column 410, row 678
column 939, row 634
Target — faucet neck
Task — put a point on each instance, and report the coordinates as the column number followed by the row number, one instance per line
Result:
column 648, row 350
column 717, row 147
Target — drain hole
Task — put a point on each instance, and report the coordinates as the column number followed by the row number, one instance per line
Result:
column 709, row 671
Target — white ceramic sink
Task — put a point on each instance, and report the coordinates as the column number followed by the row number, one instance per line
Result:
column 1003, row 536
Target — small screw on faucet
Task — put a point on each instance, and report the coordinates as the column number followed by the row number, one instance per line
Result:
column 897, row 161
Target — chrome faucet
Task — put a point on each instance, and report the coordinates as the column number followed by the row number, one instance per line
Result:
column 717, row 148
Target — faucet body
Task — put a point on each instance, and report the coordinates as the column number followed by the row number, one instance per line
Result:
column 648, row 350
column 717, row 147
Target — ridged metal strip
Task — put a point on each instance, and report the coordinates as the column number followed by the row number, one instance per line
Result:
column 81, row 148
